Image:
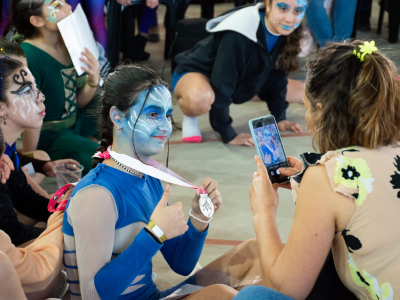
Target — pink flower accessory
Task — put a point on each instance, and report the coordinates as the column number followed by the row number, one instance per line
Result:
column 103, row 155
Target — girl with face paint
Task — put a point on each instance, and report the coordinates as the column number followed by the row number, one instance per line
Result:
column 67, row 123
column 40, row 160
column 112, row 208
column 250, row 52
column 21, row 106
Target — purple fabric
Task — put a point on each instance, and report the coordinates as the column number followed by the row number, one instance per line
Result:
column 5, row 17
column 94, row 10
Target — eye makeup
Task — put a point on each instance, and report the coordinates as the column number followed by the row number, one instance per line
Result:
column 282, row 5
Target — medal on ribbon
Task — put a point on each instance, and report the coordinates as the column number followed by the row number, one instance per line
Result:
column 159, row 171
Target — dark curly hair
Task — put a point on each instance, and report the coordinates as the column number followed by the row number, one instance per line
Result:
column 121, row 89
column 359, row 101
column 288, row 61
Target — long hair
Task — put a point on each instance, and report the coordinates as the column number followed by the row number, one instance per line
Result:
column 360, row 100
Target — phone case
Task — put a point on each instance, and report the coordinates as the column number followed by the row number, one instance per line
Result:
column 255, row 140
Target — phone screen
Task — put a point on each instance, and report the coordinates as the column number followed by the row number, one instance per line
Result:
column 270, row 145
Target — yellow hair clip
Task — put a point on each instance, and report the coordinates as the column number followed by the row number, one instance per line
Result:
column 367, row 48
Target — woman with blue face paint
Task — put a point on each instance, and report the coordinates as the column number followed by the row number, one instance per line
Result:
column 341, row 27
column 250, row 52
column 69, row 98
column 121, row 215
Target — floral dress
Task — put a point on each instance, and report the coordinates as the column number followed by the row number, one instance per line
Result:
column 367, row 251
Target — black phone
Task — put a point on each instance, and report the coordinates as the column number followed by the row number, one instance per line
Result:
column 269, row 146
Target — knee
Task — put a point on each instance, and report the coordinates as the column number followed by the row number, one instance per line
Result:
column 224, row 291
column 197, row 102
column 39, row 154
column 6, row 266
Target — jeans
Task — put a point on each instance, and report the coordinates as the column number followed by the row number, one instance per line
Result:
column 260, row 292
column 341, row 28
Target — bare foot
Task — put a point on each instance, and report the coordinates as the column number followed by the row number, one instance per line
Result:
column 243, row 139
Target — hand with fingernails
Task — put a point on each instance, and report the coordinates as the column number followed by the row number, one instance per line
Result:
column 5, row 168
column 211, row 187
column 170, row 219
column 263, row 194
column 92, row 67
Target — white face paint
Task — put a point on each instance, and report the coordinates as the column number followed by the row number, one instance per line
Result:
column 153, row 127
column 26, row 100
column 53, row 10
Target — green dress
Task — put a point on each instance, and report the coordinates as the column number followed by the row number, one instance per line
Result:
column 65, row 127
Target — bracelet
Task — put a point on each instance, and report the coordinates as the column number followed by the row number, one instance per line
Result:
column 157, row 231
column 151, row 233
column 91, row 85
column 200, row 220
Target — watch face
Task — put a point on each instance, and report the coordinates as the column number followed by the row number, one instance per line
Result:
column 206, row 205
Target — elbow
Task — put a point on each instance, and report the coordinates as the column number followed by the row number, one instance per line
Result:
column 183, row 270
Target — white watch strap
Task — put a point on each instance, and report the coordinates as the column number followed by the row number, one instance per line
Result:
column 157, row 231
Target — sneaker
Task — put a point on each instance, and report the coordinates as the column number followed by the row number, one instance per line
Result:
column 59, row 291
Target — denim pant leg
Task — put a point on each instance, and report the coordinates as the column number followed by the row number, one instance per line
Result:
column 318, row 21
column 344, row 12
column 260, row 292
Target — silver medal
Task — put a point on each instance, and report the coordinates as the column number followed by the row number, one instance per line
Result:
column 206, row 205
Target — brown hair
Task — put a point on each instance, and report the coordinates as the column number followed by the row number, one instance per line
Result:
column 288, row 61
column 21, row 12
column 360, row 100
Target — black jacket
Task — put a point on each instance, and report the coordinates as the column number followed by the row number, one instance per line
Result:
column 239, row 68
column 18, row 194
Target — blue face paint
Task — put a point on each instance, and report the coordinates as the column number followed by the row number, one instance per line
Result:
column 302, row 9
column 153, row 127
column 286, row 27
column 282, row 5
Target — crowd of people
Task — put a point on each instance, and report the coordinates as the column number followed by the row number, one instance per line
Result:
column 100, row 238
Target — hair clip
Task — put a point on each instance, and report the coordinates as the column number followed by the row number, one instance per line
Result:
column 367, row 48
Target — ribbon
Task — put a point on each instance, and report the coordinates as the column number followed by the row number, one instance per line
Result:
column 153, row 168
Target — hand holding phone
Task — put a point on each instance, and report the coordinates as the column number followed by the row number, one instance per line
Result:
column 269, row 146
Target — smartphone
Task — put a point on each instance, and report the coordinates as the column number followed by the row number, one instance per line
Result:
column 269, row 146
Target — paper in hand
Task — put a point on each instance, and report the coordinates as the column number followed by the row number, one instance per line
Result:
column 77, row 35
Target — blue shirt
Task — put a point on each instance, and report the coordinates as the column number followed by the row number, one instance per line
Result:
column 9, row 151
column 270, row 38
column 129, row 274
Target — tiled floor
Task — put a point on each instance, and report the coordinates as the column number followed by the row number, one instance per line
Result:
column 231, row 166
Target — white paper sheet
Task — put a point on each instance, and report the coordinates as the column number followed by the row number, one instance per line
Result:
column 76, row 32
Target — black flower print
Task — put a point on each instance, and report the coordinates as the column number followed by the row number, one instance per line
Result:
column 396, row 177
column 350, row 173
column 351, row 241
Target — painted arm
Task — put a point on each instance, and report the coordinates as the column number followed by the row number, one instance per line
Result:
column 292, row 269
column 183, row 252
column 93, row 214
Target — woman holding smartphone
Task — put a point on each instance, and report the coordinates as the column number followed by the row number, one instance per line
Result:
column 347, row 196
column 250, row 52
